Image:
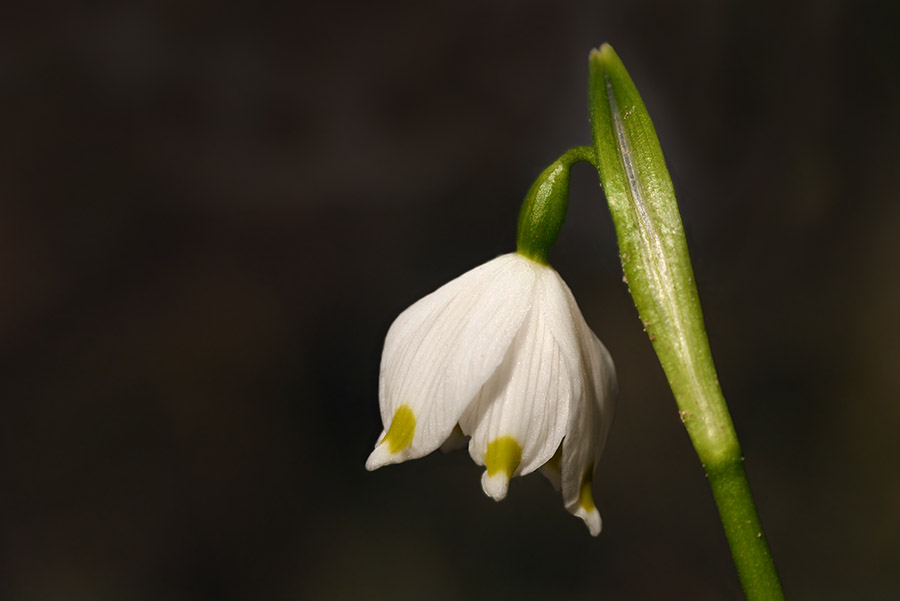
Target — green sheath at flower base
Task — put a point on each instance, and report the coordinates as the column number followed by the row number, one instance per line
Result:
column 660, row 278
column 544, row 208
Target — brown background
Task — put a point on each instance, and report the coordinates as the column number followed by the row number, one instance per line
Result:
column 210, row 215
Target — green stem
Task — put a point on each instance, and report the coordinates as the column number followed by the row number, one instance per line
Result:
column 660, row 277
column 546, row 203
column 749, row 548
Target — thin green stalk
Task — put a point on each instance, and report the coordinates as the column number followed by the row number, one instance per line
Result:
column 660, row 278
column 545, row 205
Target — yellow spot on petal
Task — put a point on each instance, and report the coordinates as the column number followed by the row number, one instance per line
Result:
column 503, row 454
column 403, row 426
column 586, row 495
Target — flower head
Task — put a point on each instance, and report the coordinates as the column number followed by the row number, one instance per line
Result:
column 503, row 353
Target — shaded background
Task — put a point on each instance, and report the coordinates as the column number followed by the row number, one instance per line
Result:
column 210, row 216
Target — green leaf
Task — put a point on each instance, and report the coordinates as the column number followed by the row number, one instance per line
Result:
column 653, row 247
column 660, row 278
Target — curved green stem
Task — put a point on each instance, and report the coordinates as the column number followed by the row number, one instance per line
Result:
column 660, row 278
column 546, row 203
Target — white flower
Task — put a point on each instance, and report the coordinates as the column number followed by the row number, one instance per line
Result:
column 504, row 353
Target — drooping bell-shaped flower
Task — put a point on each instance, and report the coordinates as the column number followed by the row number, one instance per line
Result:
column 503, row 354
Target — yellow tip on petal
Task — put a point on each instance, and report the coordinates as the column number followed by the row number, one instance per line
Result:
column 586, row 509
column 501, row 459
column 503, row 454
column 403, row 427
column 586, row 494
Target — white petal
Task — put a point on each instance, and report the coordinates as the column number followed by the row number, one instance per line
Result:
column 495, row 486
column 589, row 422
column 563, row 318
column 591, row 518
column 520, row 415
column 552, row 470
column 441, row 350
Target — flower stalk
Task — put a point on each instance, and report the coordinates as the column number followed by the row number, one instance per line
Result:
column 658, row 271
column 544, row 208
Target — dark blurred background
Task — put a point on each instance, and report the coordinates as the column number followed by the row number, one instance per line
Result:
column 210, row 215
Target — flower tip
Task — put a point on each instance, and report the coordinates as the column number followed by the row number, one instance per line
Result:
column 374, row 461
column 382, row 456
column 495, row 486
column 591, row 519
column 605, row 60
column 602, row 54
